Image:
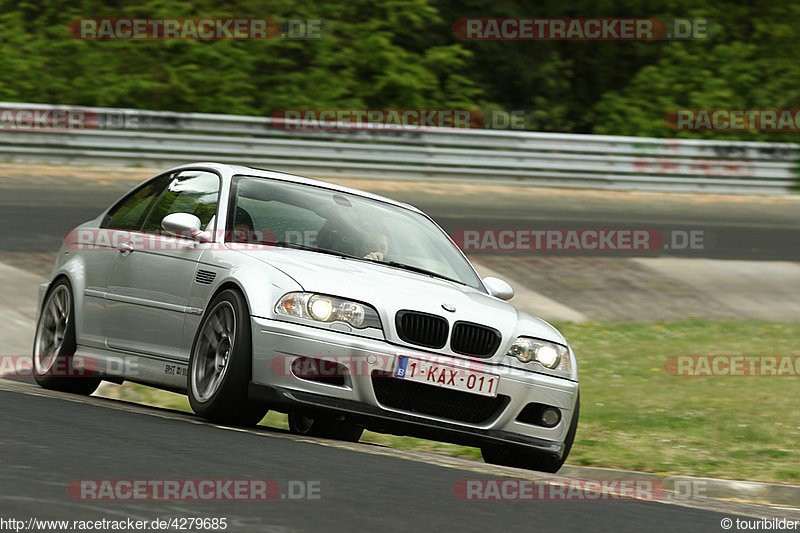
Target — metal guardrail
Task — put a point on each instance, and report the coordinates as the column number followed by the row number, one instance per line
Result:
column 158, row 138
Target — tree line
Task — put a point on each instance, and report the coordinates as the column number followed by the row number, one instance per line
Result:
column 377, row 54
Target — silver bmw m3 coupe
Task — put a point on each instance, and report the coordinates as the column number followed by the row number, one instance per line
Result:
column 251, row 290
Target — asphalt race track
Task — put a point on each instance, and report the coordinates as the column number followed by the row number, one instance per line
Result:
column 47, row 442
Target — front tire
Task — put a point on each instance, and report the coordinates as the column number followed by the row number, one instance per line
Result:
column 324, row 427
column 220, row 365
column 523, row 458
column 55, row 343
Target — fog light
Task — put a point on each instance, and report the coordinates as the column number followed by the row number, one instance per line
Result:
column 551, row 417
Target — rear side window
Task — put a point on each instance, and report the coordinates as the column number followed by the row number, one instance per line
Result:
column 195, row 192
column 130, row 212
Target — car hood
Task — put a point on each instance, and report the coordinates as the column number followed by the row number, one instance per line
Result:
column 389, row 290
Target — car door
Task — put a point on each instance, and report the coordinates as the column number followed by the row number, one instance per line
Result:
column 127, row 214
column 148, row 291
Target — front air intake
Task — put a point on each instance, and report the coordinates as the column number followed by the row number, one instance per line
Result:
column 474, row 339
column 422, row 329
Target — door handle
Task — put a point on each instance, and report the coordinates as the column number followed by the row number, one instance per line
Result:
column 125, row 247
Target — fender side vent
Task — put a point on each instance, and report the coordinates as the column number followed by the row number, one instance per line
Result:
column 205, row 277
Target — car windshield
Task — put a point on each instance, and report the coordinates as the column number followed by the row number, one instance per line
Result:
column 318, row 219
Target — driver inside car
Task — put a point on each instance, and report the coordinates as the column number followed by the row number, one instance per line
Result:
column 379, row 246
column 243, row 230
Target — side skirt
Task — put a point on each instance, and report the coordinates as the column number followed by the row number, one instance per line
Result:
column 116, row 365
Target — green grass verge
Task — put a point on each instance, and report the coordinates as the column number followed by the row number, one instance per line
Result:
column 635, row 416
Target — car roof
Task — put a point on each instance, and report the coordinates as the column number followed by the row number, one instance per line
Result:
column 237, row 170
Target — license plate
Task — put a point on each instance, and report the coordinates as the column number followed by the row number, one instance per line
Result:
column 446, row 376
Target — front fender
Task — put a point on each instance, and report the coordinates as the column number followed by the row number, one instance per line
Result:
column 260, row 283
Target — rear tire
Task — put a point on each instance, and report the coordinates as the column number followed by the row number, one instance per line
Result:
column 324, row 427
column 531, row 460
column 55, row 343
column 220, row 365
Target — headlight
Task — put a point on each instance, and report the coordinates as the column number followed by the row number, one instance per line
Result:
column 320, row 308
column 550, row 355
column 323, row 308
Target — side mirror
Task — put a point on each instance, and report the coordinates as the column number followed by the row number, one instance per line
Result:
column 498, row 288
column 185, row 225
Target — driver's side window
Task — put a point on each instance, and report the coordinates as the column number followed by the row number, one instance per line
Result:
column 195, row 192
column 130, row 212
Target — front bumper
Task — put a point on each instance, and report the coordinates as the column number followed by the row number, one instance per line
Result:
column 277, row 342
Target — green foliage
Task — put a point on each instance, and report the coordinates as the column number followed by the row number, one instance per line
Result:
column 403, row 54
column 375, row 56
column 751, row 64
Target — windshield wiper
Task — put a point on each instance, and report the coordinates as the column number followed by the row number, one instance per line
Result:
column 418, row 270
column 296, row 246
